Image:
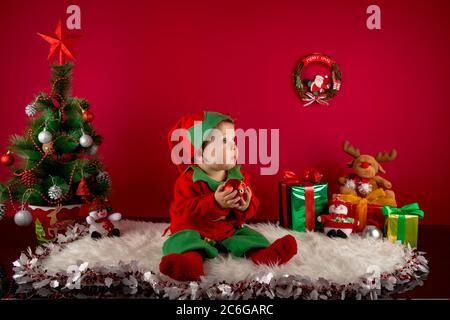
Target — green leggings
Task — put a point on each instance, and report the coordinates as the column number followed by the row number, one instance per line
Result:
column 240, row 242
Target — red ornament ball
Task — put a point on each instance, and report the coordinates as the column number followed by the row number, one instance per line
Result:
column 88, row 116
column 236, row 185
column 7, row 159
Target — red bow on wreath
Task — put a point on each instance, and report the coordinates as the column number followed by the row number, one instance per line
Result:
column 312, row 98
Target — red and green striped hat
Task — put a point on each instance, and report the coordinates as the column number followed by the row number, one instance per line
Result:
column 197, row 127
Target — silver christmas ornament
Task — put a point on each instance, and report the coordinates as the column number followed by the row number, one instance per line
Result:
column 45, row 136
column 86, row 140
column 103, row 177
column 30, row 110
column 55, row 192
column 23, row 218
column 372, row 232
column 2, row 211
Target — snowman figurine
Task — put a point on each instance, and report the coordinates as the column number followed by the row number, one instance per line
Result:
column 101, row 224
column 337, row 223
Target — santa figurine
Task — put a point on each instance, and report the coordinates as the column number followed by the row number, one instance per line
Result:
column 337, row 223
column 318, row 85
column 101, row 224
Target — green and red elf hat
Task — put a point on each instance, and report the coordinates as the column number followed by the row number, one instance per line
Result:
column 191, row 131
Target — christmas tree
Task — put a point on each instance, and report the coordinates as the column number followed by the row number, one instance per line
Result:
column 58, row 149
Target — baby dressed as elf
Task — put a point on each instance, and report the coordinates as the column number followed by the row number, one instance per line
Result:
column 207, row 218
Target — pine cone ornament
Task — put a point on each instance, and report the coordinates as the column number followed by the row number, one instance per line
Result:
column 28, row 179
column 2, row 211
column 30, row 110
column 93, row 165
column 103, row 177
column 55, row 192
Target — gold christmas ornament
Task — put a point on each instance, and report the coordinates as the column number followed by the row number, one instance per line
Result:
column 48, row 148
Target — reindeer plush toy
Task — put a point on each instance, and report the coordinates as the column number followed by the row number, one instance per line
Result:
column 364, row 178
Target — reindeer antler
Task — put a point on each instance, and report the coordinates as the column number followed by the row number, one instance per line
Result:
column 385, row 157
column 351, row 150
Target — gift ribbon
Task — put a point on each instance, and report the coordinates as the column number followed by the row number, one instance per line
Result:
column 411, row 209
column 312, row 98
column 310, row 222
column 378, row 196
column 290, row 177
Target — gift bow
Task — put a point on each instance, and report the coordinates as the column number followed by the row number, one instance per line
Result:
column 313, row 175
column 410, row 209
column 310, row 176
column 290, row 177
column 312, row 98
column 378, row 196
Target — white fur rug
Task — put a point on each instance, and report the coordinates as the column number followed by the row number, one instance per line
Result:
column 341, row 261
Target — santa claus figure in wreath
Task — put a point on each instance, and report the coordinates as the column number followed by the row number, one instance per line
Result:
column 319, row 85
column 337, row 223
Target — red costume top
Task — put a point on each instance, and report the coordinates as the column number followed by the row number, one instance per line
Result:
column 194, row 206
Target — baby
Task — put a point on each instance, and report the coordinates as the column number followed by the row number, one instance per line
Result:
column 206, row 217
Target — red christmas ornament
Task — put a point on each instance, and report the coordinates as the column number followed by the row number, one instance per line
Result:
column 88, row 116
column 7, row 159
column 60, row 42
column 236, row 185
column 83, row 190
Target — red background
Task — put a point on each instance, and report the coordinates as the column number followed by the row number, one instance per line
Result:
column 143, row 64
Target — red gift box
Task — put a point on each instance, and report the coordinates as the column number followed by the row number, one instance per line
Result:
column 310, row 179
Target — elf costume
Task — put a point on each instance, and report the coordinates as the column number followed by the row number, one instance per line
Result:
column 200, row 228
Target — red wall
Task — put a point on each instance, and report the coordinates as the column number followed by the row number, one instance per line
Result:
column 142, row 64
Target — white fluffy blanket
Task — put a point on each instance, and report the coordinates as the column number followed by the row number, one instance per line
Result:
column 341, row 261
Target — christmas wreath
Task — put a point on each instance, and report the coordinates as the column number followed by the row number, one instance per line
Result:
column 319, row 89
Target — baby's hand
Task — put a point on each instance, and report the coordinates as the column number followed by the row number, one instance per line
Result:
column 228, row 198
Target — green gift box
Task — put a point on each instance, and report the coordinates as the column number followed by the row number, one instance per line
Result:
column 402, row 224
column 302, row 200
column 307, row 203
